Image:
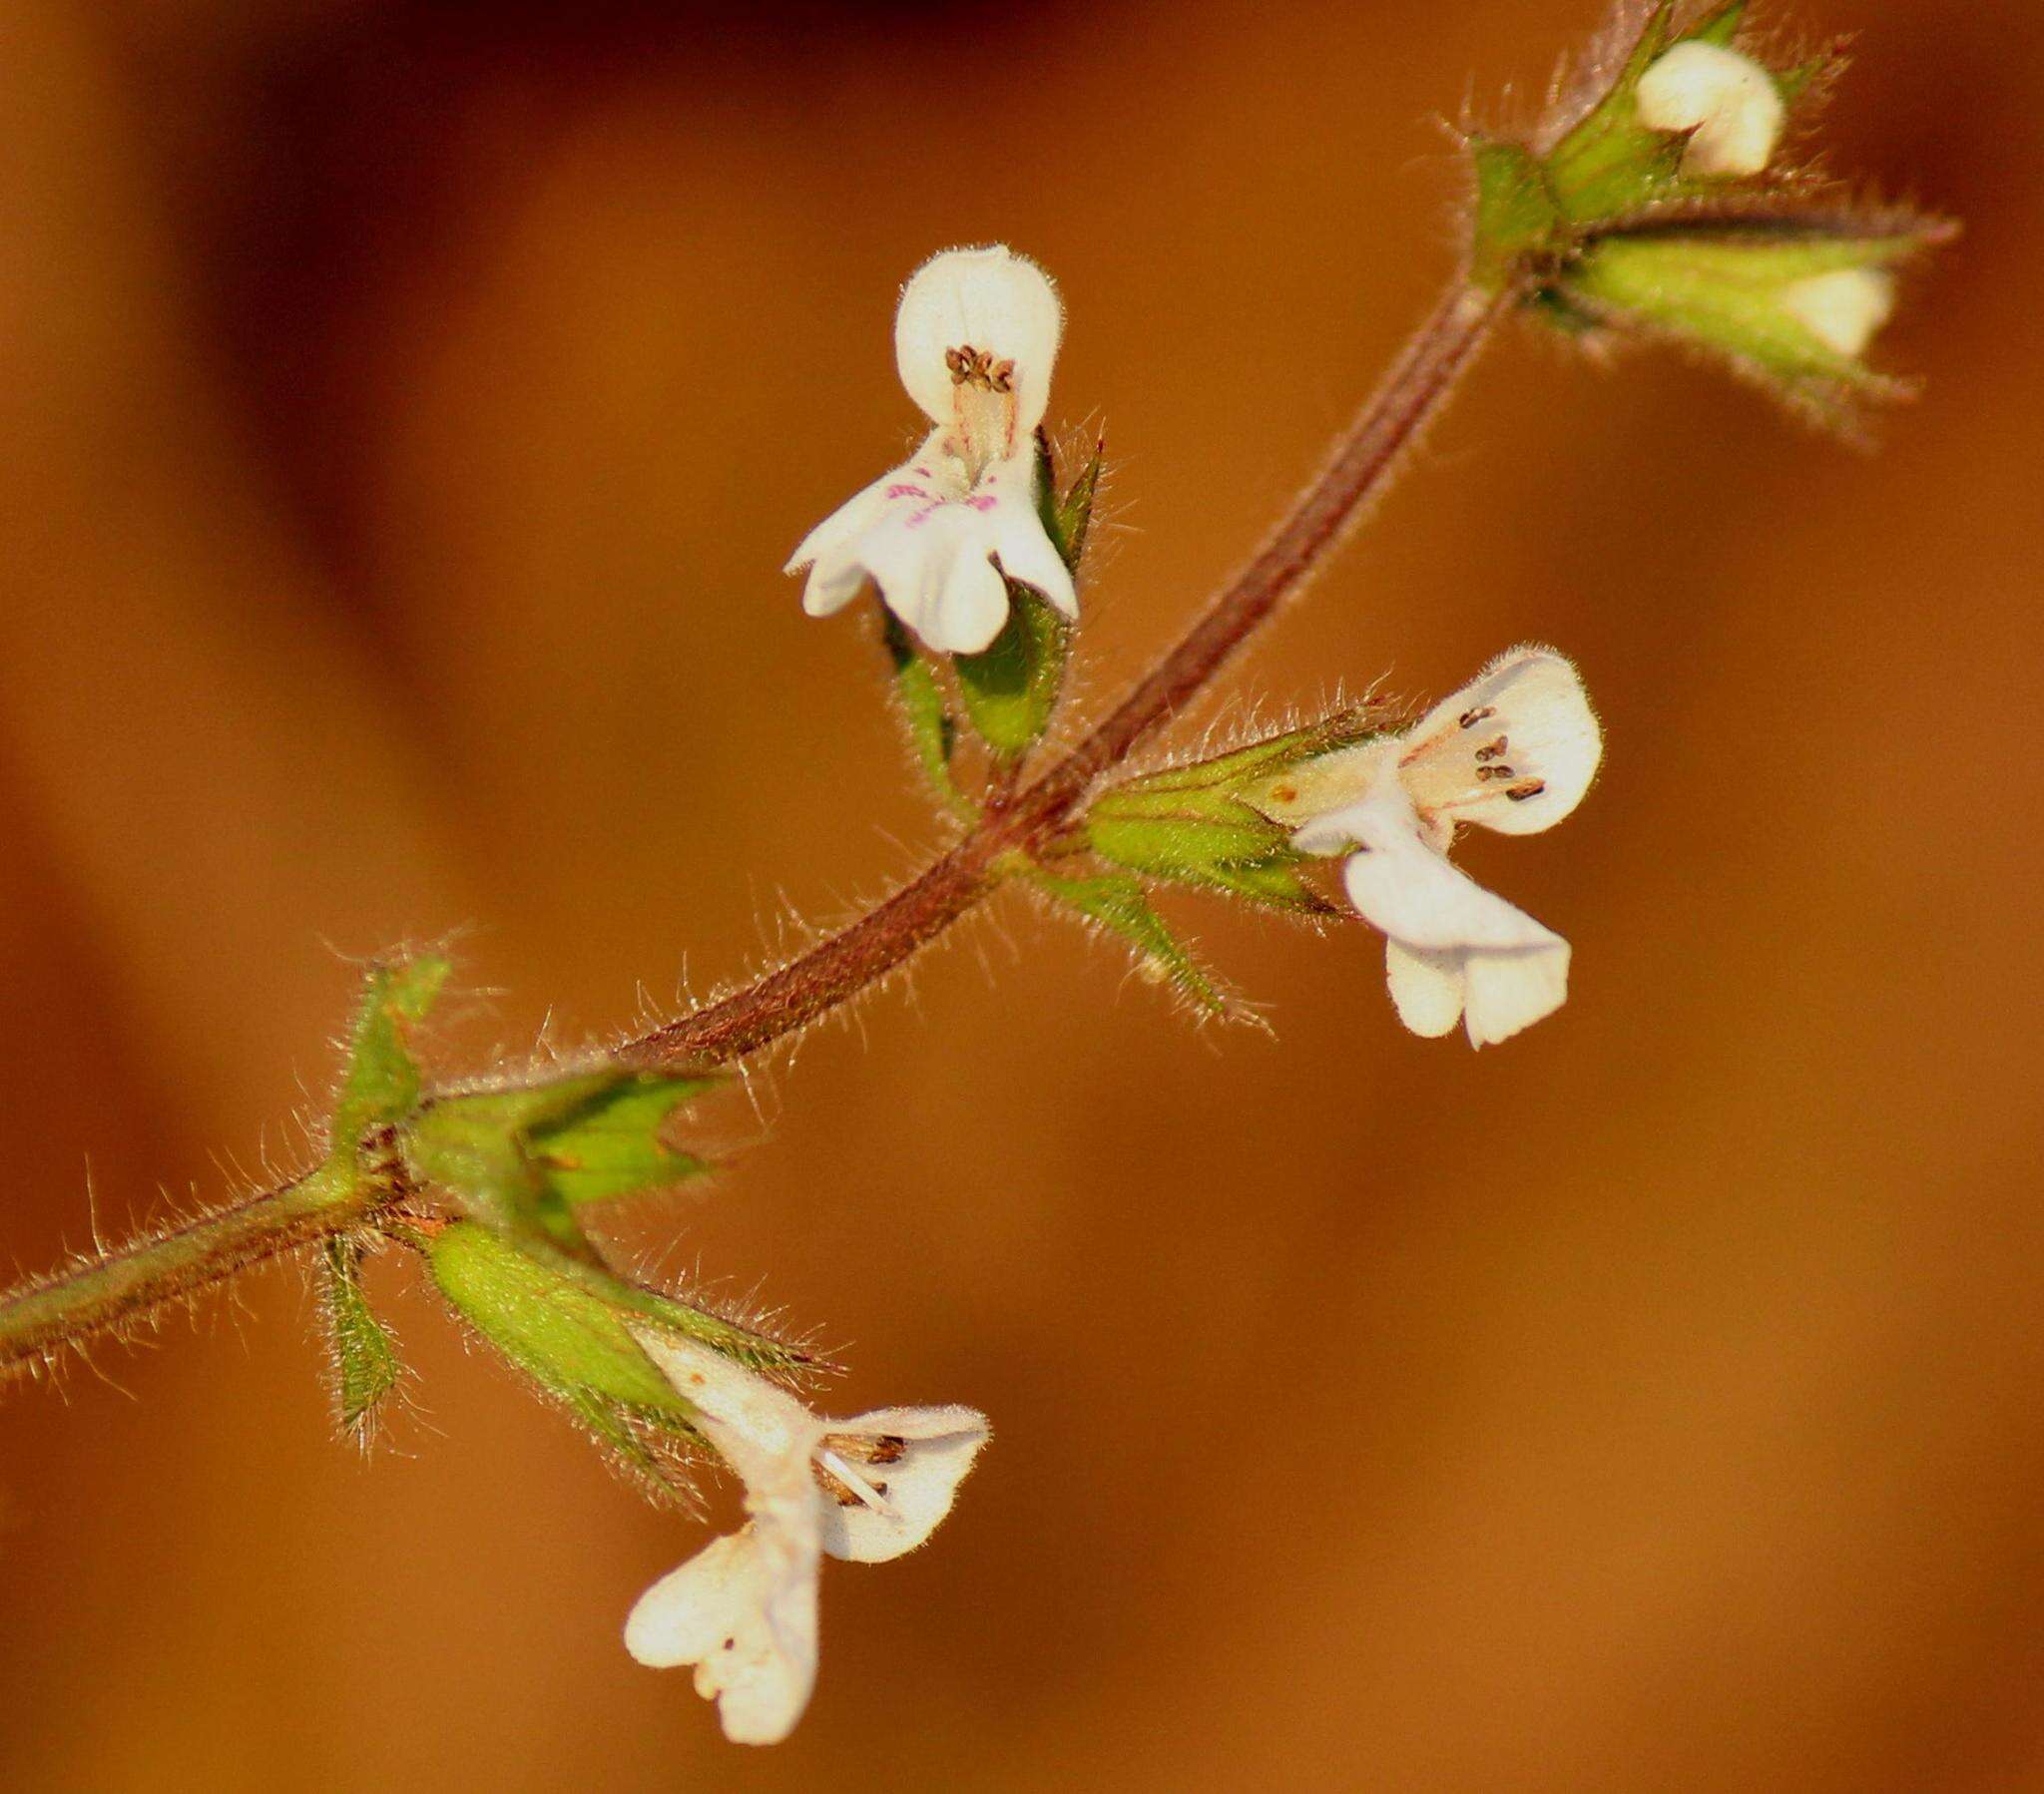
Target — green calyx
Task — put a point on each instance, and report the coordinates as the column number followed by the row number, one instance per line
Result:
column 1752, row 296
column 520, row 1164
column 530, row 1159
column 1199, row 825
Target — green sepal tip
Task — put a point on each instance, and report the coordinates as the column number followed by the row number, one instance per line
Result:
column 364, row 1356
column 380, row 1084
column 926, row 711
column 1119, row 903
column 528, row 1158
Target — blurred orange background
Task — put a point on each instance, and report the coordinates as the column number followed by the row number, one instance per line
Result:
column 407, row 409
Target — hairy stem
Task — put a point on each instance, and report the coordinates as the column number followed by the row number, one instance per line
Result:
column 129, row 1284
column 1367, row 455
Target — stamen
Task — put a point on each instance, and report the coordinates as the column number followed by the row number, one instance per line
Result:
column 1470, row 719
column 1494, row 750
column 874, row 1496
column 1490, row 773
column 867, row 1448
column 1525, row 788
column 977, row 367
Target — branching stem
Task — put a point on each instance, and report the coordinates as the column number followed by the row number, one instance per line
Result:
column 1367, row 455
column 132, row 1283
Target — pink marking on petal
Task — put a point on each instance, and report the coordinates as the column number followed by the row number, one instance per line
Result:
column 982, row 503
column 905, row 490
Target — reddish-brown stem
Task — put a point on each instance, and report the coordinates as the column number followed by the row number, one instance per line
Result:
column 884, row 939
column 130, row 1284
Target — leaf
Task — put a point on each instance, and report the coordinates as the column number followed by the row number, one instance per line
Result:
column 526, row 1157
column 1012, row 688
column 1119, row 904
column 380, row 1083
column 366, row 1362
column 932, row 732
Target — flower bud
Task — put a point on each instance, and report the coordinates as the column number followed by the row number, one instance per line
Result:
column 1729, row 104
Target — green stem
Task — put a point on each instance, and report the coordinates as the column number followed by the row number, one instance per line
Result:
column 134, row 1282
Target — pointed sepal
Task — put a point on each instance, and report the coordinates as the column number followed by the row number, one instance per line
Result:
column 380, row 1083
column 1197, row 824
column 1119, row 904
column 528, row 1158
column 563, row 1324
column 363, row 1355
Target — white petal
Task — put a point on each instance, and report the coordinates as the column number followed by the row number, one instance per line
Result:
column 1403, row 886
column 833, row 549
column 933, row 567
column 758, row 1428
column 1029, row 556
column 844, row 524
column 744, row 1611
column 689, row 1611
column 1510, row 991
column 1324, row 784
column 1522, row 724
column 1730, row 104
column 989, row 300
column 832, row 583
column 1426, row 988
column 939, row 1446
column 1843, row 309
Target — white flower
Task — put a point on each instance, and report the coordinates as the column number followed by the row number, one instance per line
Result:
column 975, row 338
column 1843, row 309
column 1730, row 105
column 1513, row 750
column 743, row 1608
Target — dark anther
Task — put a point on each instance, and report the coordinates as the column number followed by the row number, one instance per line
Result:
column 1470, row 719
column 1525, row 788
